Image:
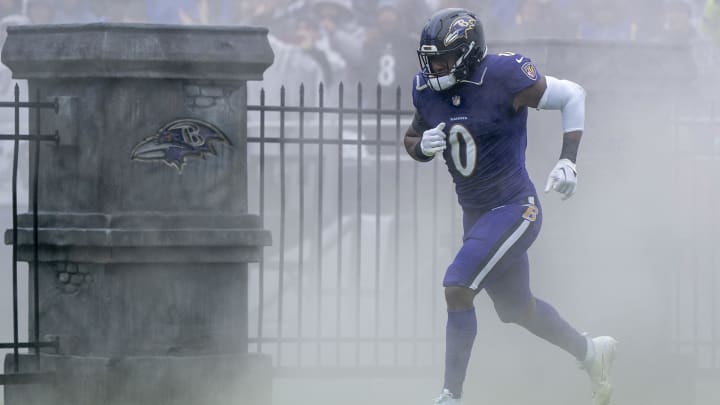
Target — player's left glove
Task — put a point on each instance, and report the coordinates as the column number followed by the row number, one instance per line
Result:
column 563, row 178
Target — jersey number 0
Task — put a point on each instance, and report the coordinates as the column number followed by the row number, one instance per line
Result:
column 464, row 162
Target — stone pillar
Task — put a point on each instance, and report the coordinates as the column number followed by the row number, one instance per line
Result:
column 145, row 233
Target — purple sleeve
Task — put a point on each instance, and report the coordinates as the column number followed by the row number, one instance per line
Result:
column 519, row 72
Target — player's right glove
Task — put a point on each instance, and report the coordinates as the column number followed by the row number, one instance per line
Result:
column 433, row 140
column 563, row 178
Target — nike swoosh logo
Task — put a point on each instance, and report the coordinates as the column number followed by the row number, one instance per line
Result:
column 519, row 59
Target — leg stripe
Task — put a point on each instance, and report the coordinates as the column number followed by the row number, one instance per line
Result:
column 498, row 244
column 500, row 252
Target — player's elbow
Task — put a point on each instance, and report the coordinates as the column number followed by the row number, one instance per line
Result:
column 412, row 146
column 409, row 144
column 569, row 98
column 578, row 95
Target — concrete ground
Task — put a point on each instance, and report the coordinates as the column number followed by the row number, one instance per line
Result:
column 407, row 392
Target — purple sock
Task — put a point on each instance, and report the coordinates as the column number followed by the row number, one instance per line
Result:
column 545, row 322
column 459, row 338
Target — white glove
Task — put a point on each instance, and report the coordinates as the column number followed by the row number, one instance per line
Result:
column 563, row 178
column 433, row 140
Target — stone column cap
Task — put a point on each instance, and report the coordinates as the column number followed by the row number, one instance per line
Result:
column 119, row 50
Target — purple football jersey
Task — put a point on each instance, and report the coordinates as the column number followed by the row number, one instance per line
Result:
column 486, row 137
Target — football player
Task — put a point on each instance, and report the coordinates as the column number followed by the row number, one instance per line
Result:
column 471, row 108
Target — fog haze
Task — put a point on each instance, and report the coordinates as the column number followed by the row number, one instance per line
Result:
column 632, row 254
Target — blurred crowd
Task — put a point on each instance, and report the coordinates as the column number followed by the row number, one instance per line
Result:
column 295, row 20
column 374, row 41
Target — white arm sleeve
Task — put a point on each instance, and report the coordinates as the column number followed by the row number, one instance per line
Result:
column 569, row 98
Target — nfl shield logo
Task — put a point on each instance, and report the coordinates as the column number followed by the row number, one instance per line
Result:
column 456, row 100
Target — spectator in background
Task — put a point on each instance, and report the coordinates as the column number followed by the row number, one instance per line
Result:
column 280, row 16
column 602, row 21
column 677, row 26
column 129, row 11
column 222, row 12
column 531, row 20
column 329, row 31
column 74, row 11
column 186, row 12
column 10, row 7
column 711, row 21
column 41, row 11
column 390, row 54
column 365, row 11
column 291, row 67
column 296, row 60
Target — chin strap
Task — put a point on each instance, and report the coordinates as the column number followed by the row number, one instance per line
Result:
column 442, row 82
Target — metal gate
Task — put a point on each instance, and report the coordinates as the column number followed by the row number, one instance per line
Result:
column 696, row 283
column 351, row 281
column 351, row 285
column 26, row 372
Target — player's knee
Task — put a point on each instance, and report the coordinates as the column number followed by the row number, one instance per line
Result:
column 459, row 298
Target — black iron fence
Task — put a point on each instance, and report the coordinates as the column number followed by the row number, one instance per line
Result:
column 696, row 317
column 361, row 234
column 14, row 373
column 356, row 232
